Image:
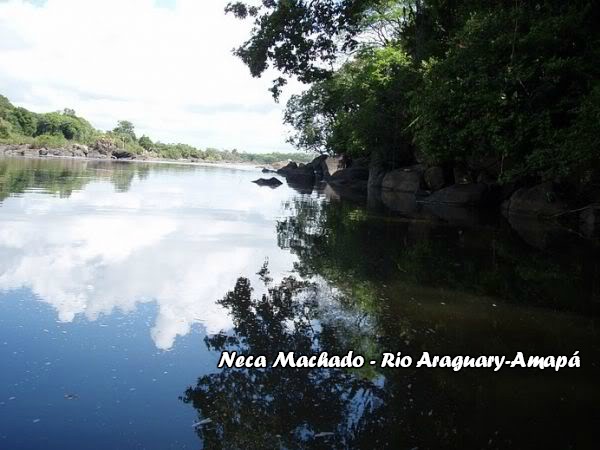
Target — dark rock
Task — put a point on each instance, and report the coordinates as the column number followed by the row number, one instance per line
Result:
column 122, row 154
column 265, row 170
column 537, row 201
column 473, row 194
column 407, row 179
column 434, row 178
column 43, row 151
column 539, row 234
column 298, row 173
column 354, row 177
column 403, row 202
column 270, row 182
column 331, row 164
column 462, row 175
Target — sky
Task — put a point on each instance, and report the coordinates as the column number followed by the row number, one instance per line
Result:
column 165, row 65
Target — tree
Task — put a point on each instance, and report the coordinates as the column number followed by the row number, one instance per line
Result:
column 125, row 128
column 146, row 143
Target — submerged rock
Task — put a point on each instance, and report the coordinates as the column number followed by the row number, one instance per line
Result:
column 270, row 182
column 537, row 201
column 473, row 194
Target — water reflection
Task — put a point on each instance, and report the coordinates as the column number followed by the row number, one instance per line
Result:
column 284, row 407
column 408, row 295
column 112, row 236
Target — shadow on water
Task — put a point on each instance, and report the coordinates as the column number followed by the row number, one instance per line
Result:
column 378, row 283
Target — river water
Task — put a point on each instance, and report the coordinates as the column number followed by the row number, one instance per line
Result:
column 122, row 283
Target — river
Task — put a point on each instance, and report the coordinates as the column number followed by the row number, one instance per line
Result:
column 121, row 284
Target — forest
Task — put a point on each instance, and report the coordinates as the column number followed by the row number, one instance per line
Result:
column 512, row 85
column 61, row 129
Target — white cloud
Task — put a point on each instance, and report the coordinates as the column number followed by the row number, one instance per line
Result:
column 180, row 241
column 169, row 70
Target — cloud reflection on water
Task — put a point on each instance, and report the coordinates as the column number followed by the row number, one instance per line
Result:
column 179, row 239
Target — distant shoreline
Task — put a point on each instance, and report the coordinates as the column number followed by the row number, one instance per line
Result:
column 25, row 151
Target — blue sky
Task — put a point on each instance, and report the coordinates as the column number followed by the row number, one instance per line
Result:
column 165, row 65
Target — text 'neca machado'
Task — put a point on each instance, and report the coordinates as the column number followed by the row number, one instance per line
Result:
column 397, row 360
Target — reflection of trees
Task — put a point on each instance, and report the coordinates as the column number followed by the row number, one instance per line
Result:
column 345, row 244
column 282, row 407
column 63, row 176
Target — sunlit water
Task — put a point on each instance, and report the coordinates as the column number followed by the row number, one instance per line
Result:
column 114, row 308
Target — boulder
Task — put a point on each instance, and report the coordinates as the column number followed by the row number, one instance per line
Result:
column 537, row 201
column 105, row 146
column 473, row 194
column 407, row 179
column 331, row 164
column 265, row 170
column 355, row 177
column 434, row 178
column 462, row 175
column 404, row 202
column 298, row 173
column 122, row 154
column 270, row 182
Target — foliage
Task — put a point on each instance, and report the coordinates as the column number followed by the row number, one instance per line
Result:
column 59, row 129
column 300, row 38
column 362, row 108
column 513, row 83
column 512, row 94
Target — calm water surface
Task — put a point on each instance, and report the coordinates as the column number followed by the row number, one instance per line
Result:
column 121, row 284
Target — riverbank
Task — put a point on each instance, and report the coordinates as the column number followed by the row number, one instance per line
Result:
column 455, row 192
column 79, row 151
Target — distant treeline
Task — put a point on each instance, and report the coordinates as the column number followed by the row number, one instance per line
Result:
column 63, row 128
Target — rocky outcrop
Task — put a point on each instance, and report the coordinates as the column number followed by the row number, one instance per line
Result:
column 434, row 178
column 407, row 179
column 354, row 177
column 298, row 173
column 541, row 201
column 473, row 194
column 330, row 165
column 122, row 154
column 105, row 147
column 270, row 182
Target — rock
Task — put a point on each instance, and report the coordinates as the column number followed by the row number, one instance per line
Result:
column 407, row 179
column 462, row 175
column 537, row 201
column 123, row 154
column 30, row 152
column 105, row 146
column 265, row 170
column 434, row 178
column 351, row 178
column 43, row 151
column 79, row 150
column 473, row 194
column 298, row 173
column 404, row 202
column 96, row 155
column 271, row 182
column 331, row 164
